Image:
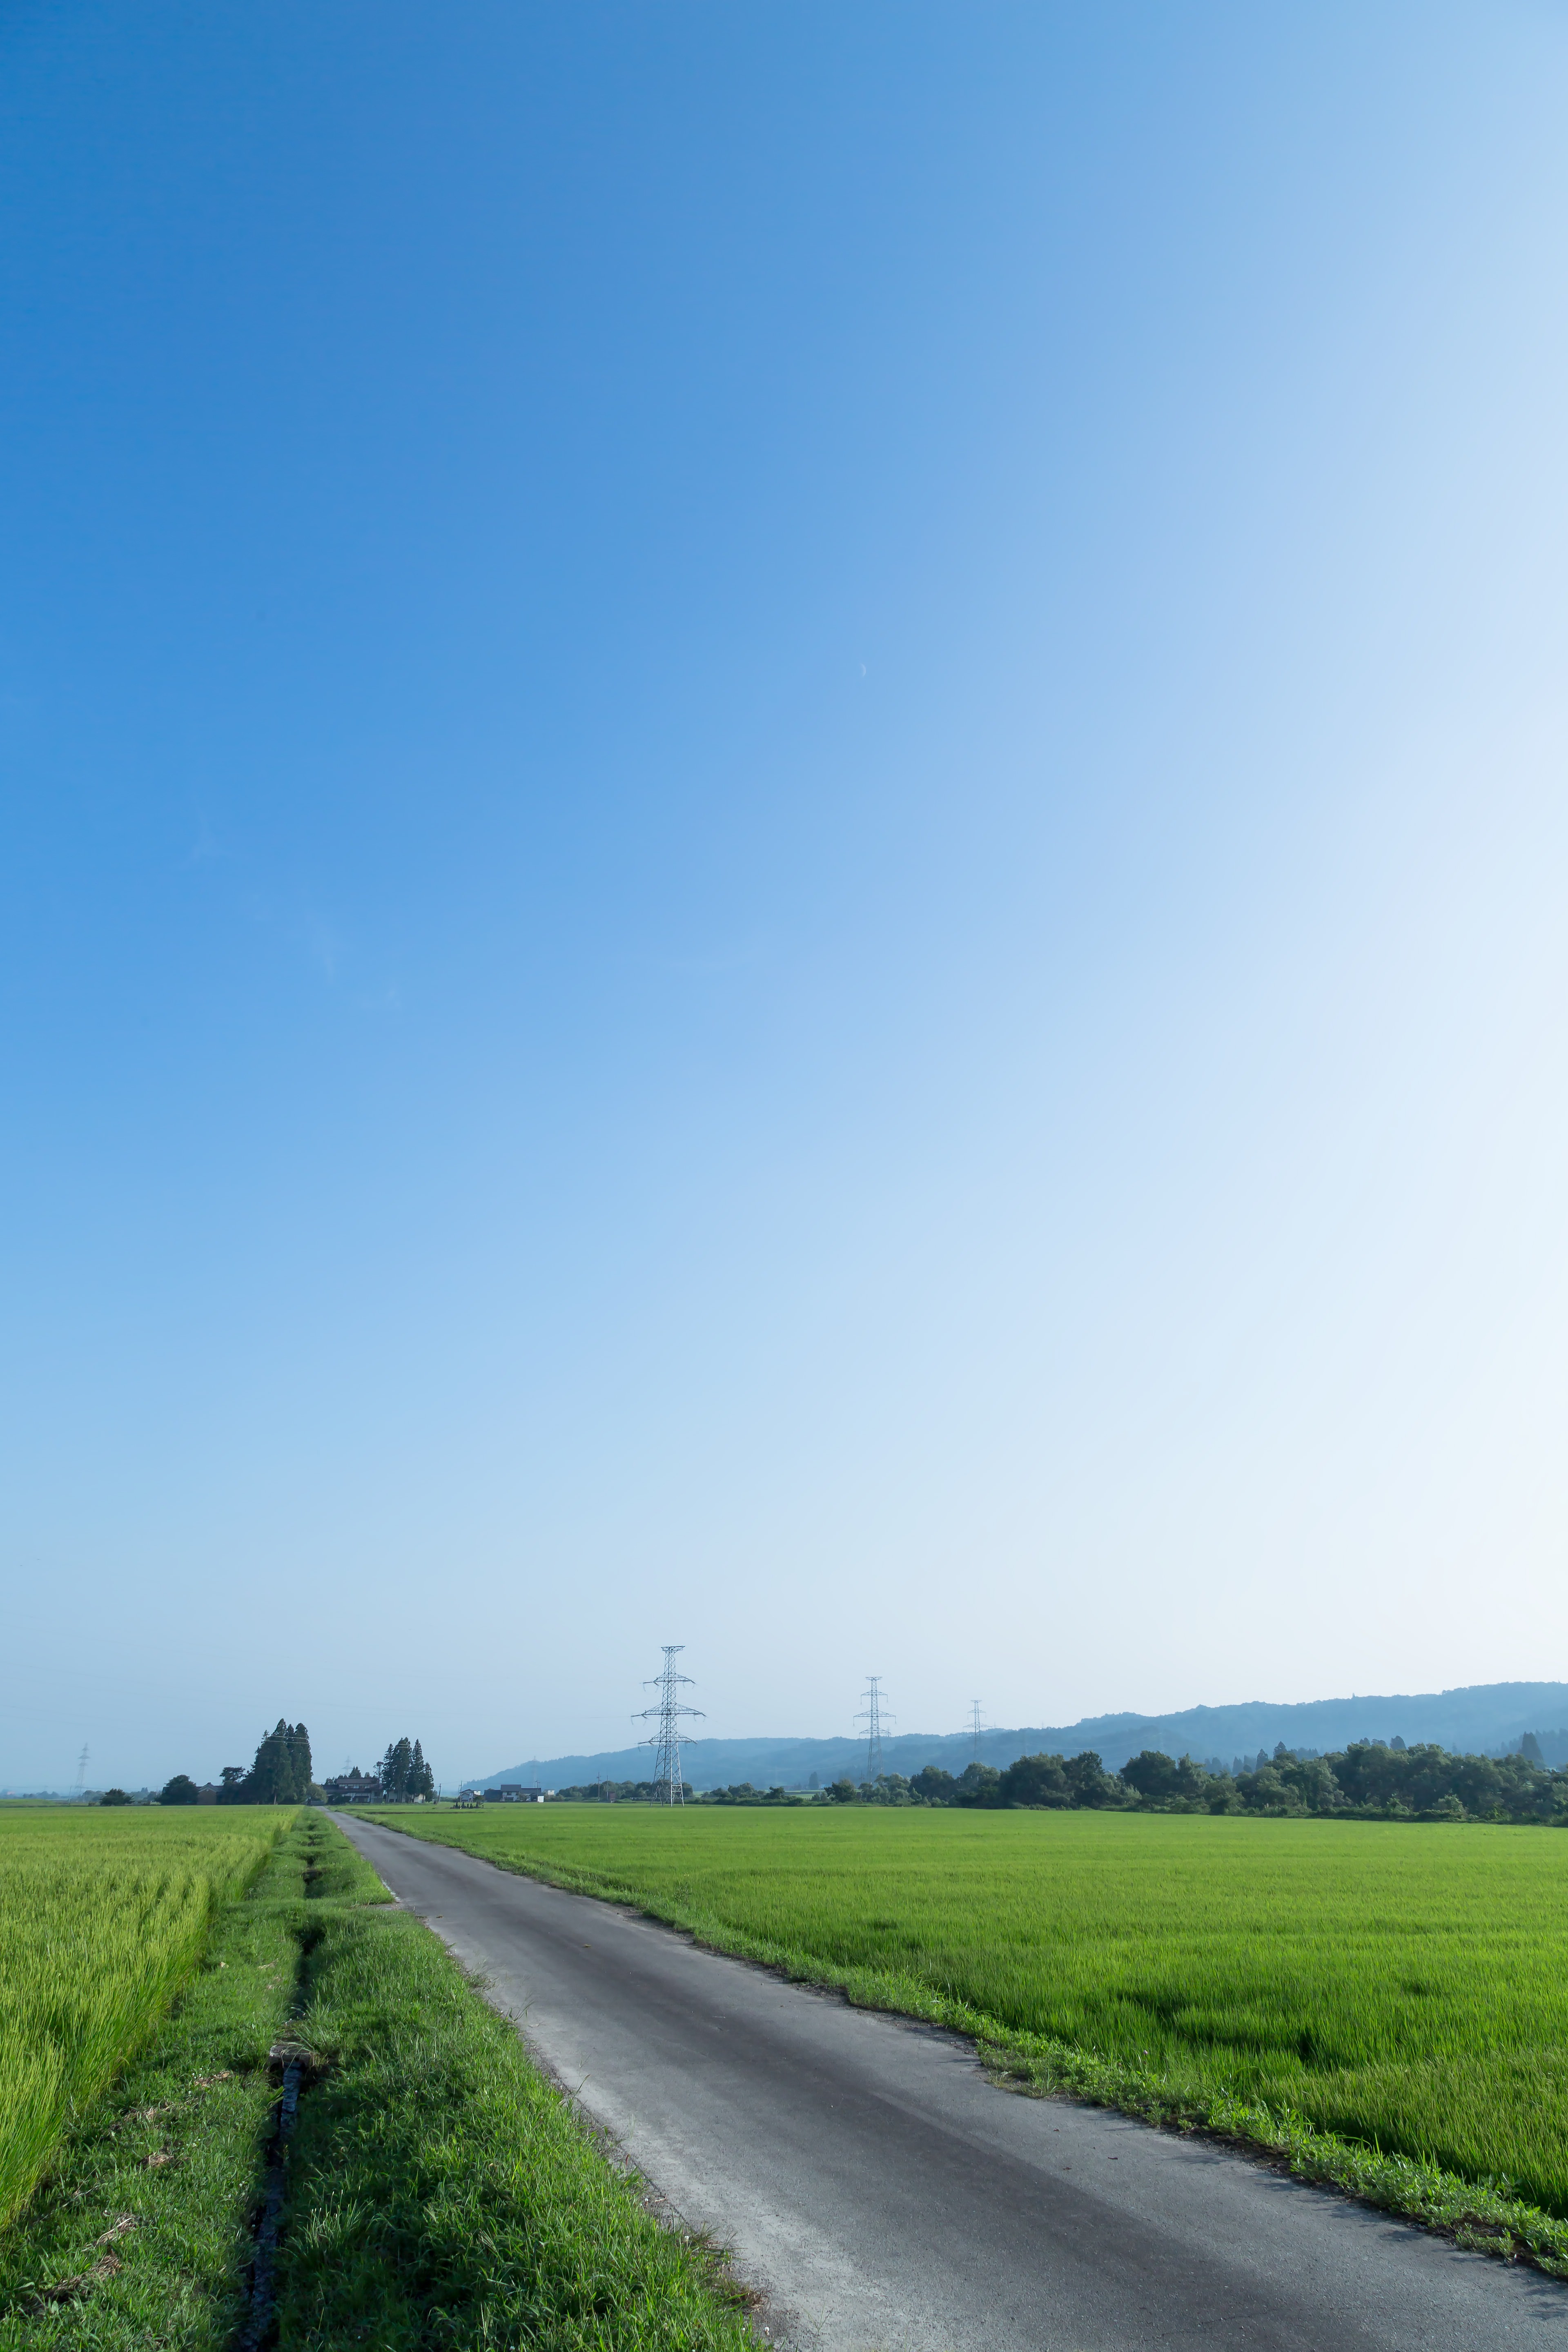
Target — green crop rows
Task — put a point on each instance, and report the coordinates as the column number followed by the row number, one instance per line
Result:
column 1402, row 1986
column 102, row 1915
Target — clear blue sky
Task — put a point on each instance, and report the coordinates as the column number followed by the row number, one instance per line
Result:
column 782, row 865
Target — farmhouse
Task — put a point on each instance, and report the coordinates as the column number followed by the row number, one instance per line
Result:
column 510, row 1794
column 354, row 1788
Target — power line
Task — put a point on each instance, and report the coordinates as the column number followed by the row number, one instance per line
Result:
column 668, row 1786
column 874, row 1715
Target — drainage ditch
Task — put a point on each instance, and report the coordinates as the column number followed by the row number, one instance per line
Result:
column 294, row 2067
column 292, row 2064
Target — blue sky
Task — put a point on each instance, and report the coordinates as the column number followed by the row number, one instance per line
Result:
column 782, row 865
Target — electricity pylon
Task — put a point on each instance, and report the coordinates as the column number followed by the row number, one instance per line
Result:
column 975, row 1725
column 874, row 1715
column 81, row 1770
column 668, row 1786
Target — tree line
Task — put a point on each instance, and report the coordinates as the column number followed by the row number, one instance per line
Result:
column 619, row 1793
column 281, row 1774
column 1369, row 1780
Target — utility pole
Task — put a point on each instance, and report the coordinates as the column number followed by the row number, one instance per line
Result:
column 874, row 1715
column 669, row 1788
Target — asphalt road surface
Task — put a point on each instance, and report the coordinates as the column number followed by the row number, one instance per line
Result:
column 884, row 2197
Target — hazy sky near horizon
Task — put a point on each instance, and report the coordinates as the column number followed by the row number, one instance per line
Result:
column 783, row 854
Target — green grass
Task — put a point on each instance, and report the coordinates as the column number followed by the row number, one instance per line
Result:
column 440, row 2192
column 1401, row 1989
column 103, row 1914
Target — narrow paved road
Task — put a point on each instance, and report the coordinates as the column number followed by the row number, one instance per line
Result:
column 886, row 2198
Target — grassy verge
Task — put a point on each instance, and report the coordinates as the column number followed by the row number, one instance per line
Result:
column 1166, row 2088
column 441, row 2193
column 141, row 2233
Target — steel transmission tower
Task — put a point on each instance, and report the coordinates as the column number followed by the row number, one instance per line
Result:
column 874, row 1715
column 81, row 1770
column 975, row 1725
column 668, row 1788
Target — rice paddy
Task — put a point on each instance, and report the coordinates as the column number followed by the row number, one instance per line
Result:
column 1401, row 1986
column 103, row 1914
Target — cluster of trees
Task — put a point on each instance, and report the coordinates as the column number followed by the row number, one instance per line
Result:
column 742, row 1793
column 1425, row 1783
column 404, row 1774
column 620, row 1792
column 280, row 1775
column 613, row 1792
column 977, row 1784
column 1369, row 1780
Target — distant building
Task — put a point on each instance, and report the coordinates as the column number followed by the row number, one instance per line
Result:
column 510, row 1794
column 207, row 1793
column 354, row 1789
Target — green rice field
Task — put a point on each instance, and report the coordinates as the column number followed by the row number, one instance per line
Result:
column 102, row 1915
column 1401, row 1986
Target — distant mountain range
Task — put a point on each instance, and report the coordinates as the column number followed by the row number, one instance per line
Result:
column 1483, row 1718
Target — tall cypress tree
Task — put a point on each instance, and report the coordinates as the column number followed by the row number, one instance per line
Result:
column 404, row 1774
column 395, row 1768
column 281, row 1773
column 267, row 1773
